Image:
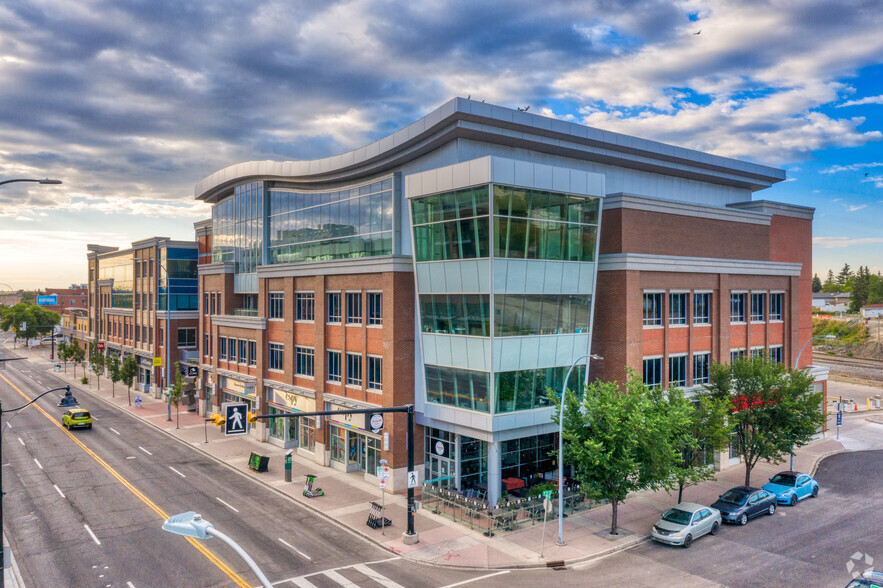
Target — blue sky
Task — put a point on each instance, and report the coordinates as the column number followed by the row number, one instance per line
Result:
column 131, row 104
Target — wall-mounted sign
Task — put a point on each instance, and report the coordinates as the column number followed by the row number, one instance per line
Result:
column 376, row 422
column 239, row 387
column 291, row 400
column 49, row 300
column 157, row 362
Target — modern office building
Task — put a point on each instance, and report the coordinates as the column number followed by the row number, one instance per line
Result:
column 143, row 301
column 465, row 263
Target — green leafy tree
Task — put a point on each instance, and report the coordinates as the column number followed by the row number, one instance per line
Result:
column 844, row 275
column 77, row 356
column 38, row 320
column 114, row 372
column 875, row 289
column 98, row 361
column 860, row 285
column 711, row 432
column 62, row 352
column 816, row 284
column 623, row 439
column 128, row 371
column 175, row 393
column 772, row 410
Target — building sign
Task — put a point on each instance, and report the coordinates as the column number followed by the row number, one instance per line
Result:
column 292, row 401
column 440, row 449
column 144, row 361
column 157, row 362
column 101, row 345
column 353, row 421
column 50, row 300
column 239, row 387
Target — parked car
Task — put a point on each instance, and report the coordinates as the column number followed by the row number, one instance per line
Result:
column 739, row 504
column 869, row 579
column 685, row 522
column 789, row 487
column 76, row 418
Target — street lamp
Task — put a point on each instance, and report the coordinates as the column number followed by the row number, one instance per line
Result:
column 44, row 181
column 561, row 444
column 191, row 524
column 16, row 410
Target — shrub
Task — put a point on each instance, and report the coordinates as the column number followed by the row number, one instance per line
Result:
column 84, row 380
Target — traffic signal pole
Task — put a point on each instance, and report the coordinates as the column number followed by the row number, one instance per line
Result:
column 408, row 409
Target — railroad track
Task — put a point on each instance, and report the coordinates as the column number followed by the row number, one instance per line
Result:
column 842, row 360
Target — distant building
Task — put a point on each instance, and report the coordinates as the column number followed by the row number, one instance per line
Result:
column 74, row 297
column 10, row 298
column 143, row 301
column 872, row 311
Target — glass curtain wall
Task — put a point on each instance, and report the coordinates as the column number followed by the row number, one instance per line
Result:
column 178, row 285
column 237, row 228
column 348, row 223
column 120, row 270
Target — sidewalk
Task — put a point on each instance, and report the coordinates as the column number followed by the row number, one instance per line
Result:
column 441, row 541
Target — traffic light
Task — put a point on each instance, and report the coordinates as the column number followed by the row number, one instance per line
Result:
column 218, row 419
column 252, row 418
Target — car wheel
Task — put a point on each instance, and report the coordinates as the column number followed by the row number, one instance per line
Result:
column 815, row 491
column 772, row 509
column 714, row 528
column 743, row 520
column 688, row 540
column 793, row 499
column 89, row 426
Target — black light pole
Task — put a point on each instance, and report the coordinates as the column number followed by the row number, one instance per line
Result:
column 68, row 391
column 44, row 181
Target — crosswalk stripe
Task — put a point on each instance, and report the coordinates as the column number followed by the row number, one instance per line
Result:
column 303, row 582
column 340, row 579
column 380, row 579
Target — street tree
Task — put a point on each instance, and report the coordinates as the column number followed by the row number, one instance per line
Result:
column 623, row 439
column 77, row 356
column 772, row 410
column 175, row 393
column 98, row 360
column 128, row 371
column 37, row 319
column 114, row 372
column 710, row 432
column 62, row 351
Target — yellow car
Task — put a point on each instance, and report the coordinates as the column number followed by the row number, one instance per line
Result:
column 75, row 418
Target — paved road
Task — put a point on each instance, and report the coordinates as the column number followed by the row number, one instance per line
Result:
column 72, row 521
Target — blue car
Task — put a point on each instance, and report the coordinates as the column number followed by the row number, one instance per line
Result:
column 789, row 487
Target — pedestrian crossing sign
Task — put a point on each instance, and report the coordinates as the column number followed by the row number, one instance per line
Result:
column 236, row 422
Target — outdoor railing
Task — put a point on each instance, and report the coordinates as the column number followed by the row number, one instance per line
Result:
column 511, row 516
column 245, row 312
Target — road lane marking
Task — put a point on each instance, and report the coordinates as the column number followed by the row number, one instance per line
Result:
column 20, row 441
column 377, row 577
column 227, row 505
column 144, row 450
column 227, row 570
column 91, row 534
column 284, row 542
column 303, row 583
column 57, row 489
column 130, row 585
column 476, row 579
column 177, row 472
column 39, row 465
column 114, row 430
column 340, row 579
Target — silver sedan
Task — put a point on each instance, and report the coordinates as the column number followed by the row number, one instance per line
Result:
column 684, row 523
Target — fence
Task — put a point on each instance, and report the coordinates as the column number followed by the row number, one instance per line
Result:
column 512, row 516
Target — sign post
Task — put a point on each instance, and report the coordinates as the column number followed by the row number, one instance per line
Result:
column 547, row 508
column 383, row 474
column 839, row 422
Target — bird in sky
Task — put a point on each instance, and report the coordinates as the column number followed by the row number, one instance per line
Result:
column 698, row 32
column 525, row 109
column 866, row 174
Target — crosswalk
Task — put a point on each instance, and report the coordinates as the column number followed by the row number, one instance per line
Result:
column 353, row 576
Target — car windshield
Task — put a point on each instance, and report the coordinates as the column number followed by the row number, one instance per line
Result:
column 784, row 479
column 680, row 517
column 734, row 496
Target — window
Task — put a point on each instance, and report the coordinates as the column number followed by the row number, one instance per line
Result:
column 334, row 307
column 652, row 310
column 222, row 348
column 776, row 306
column 652, row 371
column 375, row 373
column 737, row 308
column 187, row 337
column 303, row 361
column 334, row 366
column 252, row 353
column 756, row 352
column 736, row 354
column 277, row 356
column 757, row 314
column 212, row 299
column 205, row 303
column 700, row 368
column 205, row 343
column 375, row 308
column 304, row 303
column 354, row 308
column 277, row 305
column 776, row 354
column 677, row 309
column 677, row 370
column 353, row 369
column 702, row 309
column 243, row 351
column 231, row 349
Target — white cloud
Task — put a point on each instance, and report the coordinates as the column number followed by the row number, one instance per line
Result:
column 839, row 242
column 852, row 167
column 853, row 208
column 868, row 100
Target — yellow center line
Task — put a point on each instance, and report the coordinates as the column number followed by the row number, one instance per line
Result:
column 195, row 543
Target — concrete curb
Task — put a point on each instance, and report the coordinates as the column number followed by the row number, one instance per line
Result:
column 11, row 574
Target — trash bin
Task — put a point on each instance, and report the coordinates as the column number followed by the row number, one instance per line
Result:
column 57, row 368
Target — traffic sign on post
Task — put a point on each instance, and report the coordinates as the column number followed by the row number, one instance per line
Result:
column 235, row 422
column 839, row 418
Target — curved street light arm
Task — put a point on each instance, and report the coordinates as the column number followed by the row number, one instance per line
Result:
column 43, row 181
column 247, row 558
column 66, row 388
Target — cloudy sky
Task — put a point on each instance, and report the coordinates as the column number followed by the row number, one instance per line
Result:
column 130, row 103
